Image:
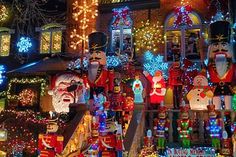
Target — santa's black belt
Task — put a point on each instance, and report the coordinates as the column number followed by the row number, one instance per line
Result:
column 221, row 83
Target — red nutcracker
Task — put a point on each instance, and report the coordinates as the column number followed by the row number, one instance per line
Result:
column 226, row 146
column 161, row 128
column 158, row 87
column 117, row 97
column 184, row 126
column 100, row 79
column 148, row 140
column 51, row 143
column 175, row 82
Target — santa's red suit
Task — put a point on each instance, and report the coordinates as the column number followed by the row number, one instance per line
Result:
column 158, row 88
column 50, row 144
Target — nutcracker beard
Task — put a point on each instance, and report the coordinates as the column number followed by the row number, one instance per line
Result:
column 92, row 72
column 221, row 64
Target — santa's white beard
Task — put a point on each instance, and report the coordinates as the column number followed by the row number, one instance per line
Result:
column 59, row 105
column 221, row 65
column 92, row 72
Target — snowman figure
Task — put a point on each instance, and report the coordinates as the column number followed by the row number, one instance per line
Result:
column 200, row 94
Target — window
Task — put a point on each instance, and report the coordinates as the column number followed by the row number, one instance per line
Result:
column 183, row 41
column 121, row 30
column 5, row 38
column 51, row 38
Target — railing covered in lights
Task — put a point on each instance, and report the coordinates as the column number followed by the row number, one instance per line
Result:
column 115, row 1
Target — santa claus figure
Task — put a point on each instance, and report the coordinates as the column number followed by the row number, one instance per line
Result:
column 61, row 96
column 100, row 79
column 161, row 128
column 138, row 90
column 158, row 87
column 200, row 95
column 184, row 126
column 51, row 143
column 220, row 65
column 214, row 126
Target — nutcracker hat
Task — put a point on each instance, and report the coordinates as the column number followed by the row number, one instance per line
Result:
column 211, row 108
column 97, row 41
column 162, row 108
column 220, row 32
column 184, row 107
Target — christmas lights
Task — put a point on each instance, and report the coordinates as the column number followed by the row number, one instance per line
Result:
column 3, row 13
column 121, row 17
column 5, row 44
column 24, row 44
column 84, row 12
column 153, row 63
column 35, row 80
column 148, row 37
column 2, row 71
column 27, row 97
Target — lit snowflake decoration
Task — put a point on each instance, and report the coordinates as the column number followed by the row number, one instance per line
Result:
column 3, row 13
column 24, row 44
column 77, row 64
column 113, row 61
column 2, row 71
column 153, row 63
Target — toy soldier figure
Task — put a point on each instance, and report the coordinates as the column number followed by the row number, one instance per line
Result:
column 100, row 79
column 184, row 126
column 214, row 126
column 220, row 66
column 161, row 128
column 51, row 143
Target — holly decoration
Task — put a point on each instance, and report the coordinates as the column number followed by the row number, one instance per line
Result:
column 182, row 16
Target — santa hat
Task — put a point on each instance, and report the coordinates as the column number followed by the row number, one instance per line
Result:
column 158, row 73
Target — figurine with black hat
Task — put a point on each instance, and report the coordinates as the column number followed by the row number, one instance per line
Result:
column 100, row 79
column 220, row 65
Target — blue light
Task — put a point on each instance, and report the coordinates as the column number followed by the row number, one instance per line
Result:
column 2, row 71
column 113, row 61
column 153, row 63
column 24, row 44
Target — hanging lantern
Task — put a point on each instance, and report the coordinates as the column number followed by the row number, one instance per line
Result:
column 3, row 134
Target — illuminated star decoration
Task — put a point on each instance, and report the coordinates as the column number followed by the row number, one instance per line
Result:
column 2, row 71
column 148, row 37
column 3, row 13
column 84, row 13
column 24, row 44
column 182, row 15
column 153, row 63
column 26, row 97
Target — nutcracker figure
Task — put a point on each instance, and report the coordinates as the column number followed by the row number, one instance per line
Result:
column 175, row 82
column 220, row 65
column 184, row 126
column 51, row 143
column 158, row 87
column 200, row 94
column 138, row 90
column 148, row 140
column 226, row 147
column 214, row 126
column 117, row 96
column 100, row 79
column 161, row 128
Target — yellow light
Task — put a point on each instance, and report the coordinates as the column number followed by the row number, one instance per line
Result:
column 5, row 44
column 3, row 13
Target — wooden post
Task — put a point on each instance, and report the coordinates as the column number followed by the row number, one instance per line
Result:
column 170, row 116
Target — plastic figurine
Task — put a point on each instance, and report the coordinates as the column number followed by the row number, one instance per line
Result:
column 220, row 65
column 117, row 96
column 226, row 146
column 161, row 128
column 184, row 126
column 200, row 94
column 51, row 143
column 175, row 82
column 138, row 90
column 100, row 79
column 214, row 126
column 158, row 87
column 148, row 140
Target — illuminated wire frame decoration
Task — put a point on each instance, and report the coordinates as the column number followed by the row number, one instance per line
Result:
column 182, row 18
column 152, row 63
column 148, row 37
column 51, row 39
column 5, row 39
column 121, row 17
column 27, row 97
column 36, row 80
column 77, row 64
column 2, row 72
column 3, row 13
column 24, row 44
column 84, row 14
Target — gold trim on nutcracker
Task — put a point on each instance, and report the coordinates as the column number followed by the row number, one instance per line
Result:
column 60, row 138
column 219, row 37
column 98, row 76
column 95, row 46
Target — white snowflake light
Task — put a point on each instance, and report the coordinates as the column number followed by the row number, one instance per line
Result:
column 24, row 44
